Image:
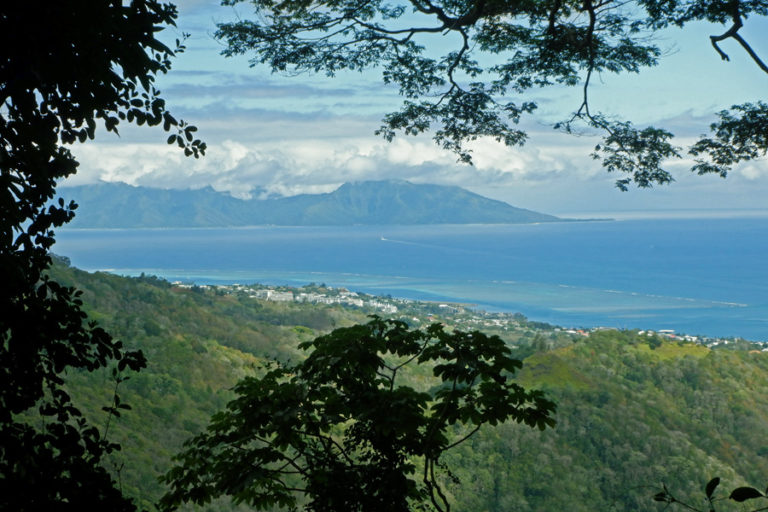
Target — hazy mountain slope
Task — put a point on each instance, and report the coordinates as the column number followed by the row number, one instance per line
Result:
column 115, row 205
column 401, row 202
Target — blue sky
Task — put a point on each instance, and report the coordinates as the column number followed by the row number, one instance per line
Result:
column 308, row 133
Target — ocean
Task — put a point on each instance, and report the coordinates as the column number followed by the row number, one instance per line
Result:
column 699, row 276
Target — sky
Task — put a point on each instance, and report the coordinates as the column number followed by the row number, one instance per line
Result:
column 309, row 133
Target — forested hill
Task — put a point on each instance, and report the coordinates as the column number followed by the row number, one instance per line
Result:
column 117, row 205
column 633, row 411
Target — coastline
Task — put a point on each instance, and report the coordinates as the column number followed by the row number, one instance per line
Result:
column 645, row 274
column 469, row 313
column 403, row 294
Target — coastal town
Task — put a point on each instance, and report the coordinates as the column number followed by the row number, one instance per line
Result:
column 511, row 326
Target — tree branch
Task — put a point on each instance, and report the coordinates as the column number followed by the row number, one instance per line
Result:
column 328, row 439
column 734, row 33
column 409, row 31
column 751, row 52
column 434, row 485
column 737, row 24
column 477, row 427
column 477, row 11
column 289, row 461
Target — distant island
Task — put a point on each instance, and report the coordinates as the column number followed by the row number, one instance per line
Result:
column 118, row 205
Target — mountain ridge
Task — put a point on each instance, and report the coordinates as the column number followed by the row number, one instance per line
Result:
column 119, row 205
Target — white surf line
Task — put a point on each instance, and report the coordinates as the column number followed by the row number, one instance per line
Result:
column 404, row 242
column 636, row 295
column 442, row 248
column 679, row 299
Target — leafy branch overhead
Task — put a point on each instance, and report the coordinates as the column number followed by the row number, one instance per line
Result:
column 346, row 430
column 496, row 52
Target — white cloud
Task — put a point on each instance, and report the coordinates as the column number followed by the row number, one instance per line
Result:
column 302, row 164
column 553, row 173
column 754, row 170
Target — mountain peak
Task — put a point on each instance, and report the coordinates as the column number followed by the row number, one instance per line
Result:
column 359, row 202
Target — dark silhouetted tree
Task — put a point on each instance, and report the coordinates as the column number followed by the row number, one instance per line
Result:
column 467, row 67
column 359, row 425
column 64, row 68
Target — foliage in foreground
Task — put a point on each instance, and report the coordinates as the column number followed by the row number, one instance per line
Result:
column 64, row 67
column 341, row 429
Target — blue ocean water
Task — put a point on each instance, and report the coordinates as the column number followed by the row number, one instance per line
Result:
column 698, row 276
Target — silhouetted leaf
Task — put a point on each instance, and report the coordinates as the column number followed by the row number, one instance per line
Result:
column 711, row 486
column 745, row 493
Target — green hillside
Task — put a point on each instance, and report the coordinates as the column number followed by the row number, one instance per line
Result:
column 198, row 344
column 629, row 416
